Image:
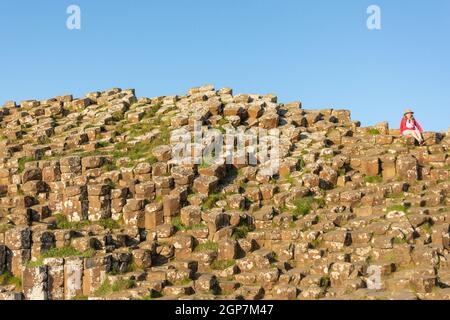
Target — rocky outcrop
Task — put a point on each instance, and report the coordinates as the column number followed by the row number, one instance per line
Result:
column 95, row 205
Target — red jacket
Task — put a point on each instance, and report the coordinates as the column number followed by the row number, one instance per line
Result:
column 403, row 125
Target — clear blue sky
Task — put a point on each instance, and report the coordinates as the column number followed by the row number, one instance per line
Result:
column 319, row 52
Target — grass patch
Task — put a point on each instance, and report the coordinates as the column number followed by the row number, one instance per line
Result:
column 151, row 112
column 63, row 223
column 292, row 225
column 120, row 129
column 178, row 225
column 109, row 224
column 120, row 145
column 103, row 144
column 222, row 121
column 111, row 184
column 288, row 178
column 324, row 282
column 23, row 161
column 316, row 243
column 241, row 231
column 111, row 166
column 400, row 241
column 373, row 131
column 221, row 129
column 79, row 298
column 373, row 179
column 140, row 129
column 7, row 278
column 399, row 195
column 104, row 289
column 64, row 252
column 107, row 287
column 5, row 227
column 152, row 295
column 243, row 185
column 206, row 163
column 140, row 151
column 222, row 264
column 210, row 202
column 301, row 163
column 44, row 139
column 117, row 116
column 182, row 282
column 61, row 252
column 328, row 156
column 427, row 228
column 197, row 226
column 123, row 284
column 143, row 149
column 208, row 245
column 303, row 206
column 398, row 207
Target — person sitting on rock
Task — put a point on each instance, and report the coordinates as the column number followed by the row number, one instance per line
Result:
column 410, row 127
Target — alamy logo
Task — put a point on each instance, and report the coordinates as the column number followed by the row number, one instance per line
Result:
column 374, row 20
column 255, row 146
column 73, row 22
column 374, row 278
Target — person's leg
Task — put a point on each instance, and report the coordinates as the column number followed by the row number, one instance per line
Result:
column 411, row 133
column 408, row 133
column 419, row 136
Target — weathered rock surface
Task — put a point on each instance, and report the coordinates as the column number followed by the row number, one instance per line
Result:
column 93, row 205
